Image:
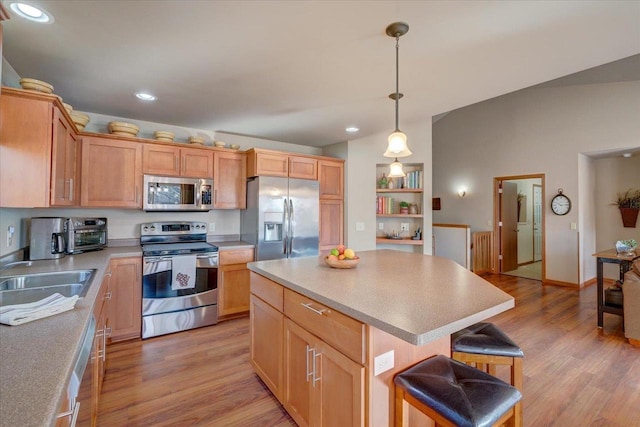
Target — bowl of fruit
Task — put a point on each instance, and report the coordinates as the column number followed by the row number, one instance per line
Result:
column 342, row 257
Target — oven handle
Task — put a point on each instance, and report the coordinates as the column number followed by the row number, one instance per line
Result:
column 169, row 258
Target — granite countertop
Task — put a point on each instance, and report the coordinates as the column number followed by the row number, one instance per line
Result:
column 417, row 298
column 37, row 358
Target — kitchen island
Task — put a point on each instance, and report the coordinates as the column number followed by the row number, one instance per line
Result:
column 337, row 337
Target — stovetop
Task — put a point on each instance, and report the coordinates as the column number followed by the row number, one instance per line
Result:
column 175, row 238
column 162, row 249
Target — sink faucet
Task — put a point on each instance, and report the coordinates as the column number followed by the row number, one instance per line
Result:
column 15, row 264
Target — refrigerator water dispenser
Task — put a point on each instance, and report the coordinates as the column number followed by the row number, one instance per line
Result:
column 272, row 232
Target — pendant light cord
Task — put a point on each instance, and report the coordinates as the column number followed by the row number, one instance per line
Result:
column 397, row 79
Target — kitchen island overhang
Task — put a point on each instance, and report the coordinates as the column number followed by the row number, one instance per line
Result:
column 417, row 298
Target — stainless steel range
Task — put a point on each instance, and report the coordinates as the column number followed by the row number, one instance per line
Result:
column 180, row 277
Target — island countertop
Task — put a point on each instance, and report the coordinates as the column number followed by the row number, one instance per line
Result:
column 417, row 298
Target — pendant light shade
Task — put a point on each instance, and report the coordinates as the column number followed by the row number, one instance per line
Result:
column 397, row 143
column 395, row 170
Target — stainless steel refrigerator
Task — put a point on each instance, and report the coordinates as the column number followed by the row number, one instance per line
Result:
column 281, row 218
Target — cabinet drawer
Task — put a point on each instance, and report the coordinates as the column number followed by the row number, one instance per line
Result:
column 342, row 332
column 268, row 290
column 236, row 256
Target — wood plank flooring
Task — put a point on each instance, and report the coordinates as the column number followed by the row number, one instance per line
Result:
column 574, row 374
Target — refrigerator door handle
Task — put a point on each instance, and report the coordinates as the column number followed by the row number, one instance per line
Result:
column 285, row 227
column 290, row 234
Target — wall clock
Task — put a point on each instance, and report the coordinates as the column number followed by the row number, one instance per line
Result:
column 560, row 204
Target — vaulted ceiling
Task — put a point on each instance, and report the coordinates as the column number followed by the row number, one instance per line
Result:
column 302, row 71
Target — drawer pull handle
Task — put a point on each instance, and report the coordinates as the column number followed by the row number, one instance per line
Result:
column 309, row 372
column 308, row 305
column 315, row 368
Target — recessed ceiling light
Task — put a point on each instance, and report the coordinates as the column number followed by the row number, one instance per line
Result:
column 627, row 155
column 32, row 13
column 352, row 129
column 146, row 96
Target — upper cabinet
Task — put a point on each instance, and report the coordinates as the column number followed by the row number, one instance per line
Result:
column 38, row 145
column 274, row 163
column 169, row 160
column 331, row 177
column 111, row 173
column 229, row 180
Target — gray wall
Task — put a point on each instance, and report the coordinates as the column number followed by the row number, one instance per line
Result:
column 537, row 130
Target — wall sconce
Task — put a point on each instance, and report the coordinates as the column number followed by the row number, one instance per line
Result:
column 462, row 191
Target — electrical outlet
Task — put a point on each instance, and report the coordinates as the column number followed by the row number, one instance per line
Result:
column 359, row 226
column 10, row 231
column 381, row 226
column 383, row 363
column 574, row 226
column 404, row 226
column 212, row 227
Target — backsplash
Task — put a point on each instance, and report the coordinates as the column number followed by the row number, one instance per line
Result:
column 123, row 223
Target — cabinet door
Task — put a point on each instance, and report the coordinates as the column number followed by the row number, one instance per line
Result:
column 230, row 181
column 271, row 164
column 303, row 167
column 233, row 289
column 196, row 163
column 331, row 178
column 331, row 223
column 266, row 344
column 63, row 162
column 298, row 373
column 160, row 160
column 111, row 173
column 25, row 151
column 125, row 308
column 339, row 388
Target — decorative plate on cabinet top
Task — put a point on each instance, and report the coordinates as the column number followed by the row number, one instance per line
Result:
column 162, row 135
column 123, row 129
column 37, row 85
column 196, row 140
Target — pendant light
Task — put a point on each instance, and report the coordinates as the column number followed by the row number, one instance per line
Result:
column 395, row 170
column 397, row 140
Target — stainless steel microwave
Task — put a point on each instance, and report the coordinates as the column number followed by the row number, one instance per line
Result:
column 166, row 193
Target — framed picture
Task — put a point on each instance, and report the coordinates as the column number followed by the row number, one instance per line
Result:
column 435, row 204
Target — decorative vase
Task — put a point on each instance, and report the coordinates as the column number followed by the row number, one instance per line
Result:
column 413, row 209
column 404, row 210
column 629, row 217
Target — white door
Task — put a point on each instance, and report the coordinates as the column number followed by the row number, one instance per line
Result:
column 537, row 223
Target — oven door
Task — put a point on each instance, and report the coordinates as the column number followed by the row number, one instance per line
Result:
column 86, row 240
column 165, row 310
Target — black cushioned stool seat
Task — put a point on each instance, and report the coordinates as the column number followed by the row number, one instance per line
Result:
column 485, row 346
column 454, row 394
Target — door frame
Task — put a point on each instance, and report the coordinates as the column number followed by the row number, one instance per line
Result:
column 497, row 269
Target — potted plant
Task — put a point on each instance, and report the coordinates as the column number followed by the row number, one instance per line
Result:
column 629, row 205
column 404, row 207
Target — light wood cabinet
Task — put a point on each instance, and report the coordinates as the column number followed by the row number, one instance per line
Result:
column 229, row 181
column 111, row 173
column 318, row 384
column 125, row 308
column 233, row 282
column 169, row 160
column 275, row 163
column 38, row 151
column 331, row 224
column 64, row 162
column 331, row 177
column 322, row 386
column 266, row 344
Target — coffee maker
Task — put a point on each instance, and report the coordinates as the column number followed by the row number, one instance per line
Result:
column 47, row 238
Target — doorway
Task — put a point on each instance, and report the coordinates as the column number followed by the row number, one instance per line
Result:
column 519, row 226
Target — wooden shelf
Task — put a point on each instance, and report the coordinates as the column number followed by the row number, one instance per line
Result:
column 399, row 190
column 399, row 215
column 404, row 241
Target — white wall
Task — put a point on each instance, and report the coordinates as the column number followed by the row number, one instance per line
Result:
column 613, row 175
column 537, row 130
column 363, row 155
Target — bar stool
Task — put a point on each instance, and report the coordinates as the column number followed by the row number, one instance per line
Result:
column 456, row 395
column 485, row 346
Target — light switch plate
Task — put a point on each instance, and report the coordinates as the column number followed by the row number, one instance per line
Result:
column 404, row 226
column 359, row 226
column 212, row 227
column 383, row 363
column 381, row 226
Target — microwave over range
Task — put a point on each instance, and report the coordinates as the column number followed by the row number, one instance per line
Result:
column 165, row 193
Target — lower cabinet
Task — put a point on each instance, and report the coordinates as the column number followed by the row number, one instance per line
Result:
column 317, row 384
column 125, row 308
column 233, row 282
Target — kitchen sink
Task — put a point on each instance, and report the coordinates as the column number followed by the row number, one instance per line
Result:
column 26, row 288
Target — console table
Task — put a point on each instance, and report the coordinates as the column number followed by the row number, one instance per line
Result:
column 610, row 256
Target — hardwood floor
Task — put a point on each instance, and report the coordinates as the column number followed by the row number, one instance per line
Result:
column 574, row 373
